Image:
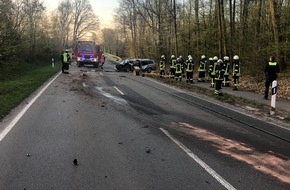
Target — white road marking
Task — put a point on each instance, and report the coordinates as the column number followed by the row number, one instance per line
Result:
column 101, row 74
column 119, row 90
column 207, row 168
column 17, row 118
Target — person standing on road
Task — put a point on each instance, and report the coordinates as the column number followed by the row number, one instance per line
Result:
column 172, row 64
column 65, row 59
column 189, row 69
column 182, row 64
column 162, row 66
column 219, row 75
column 213, row 71
column 227, row 65
column 236, row 72
column 178, row 71
column 271, row 70
column 202, row 69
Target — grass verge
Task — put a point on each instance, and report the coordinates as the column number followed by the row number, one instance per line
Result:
column 20, row 81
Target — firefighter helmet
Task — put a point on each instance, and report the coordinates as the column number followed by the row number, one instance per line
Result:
column 236, row 57
column 203, row 57
column 210, row 59
column 172, row 56
column 215, row 58
column 220, row 61
column 162, row 56
column 226, row 58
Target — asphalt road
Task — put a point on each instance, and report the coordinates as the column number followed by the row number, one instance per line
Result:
column 131, row 132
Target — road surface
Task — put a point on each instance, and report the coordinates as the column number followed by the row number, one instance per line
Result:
column 131, row 132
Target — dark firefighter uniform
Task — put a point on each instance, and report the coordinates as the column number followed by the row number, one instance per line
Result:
column 65, row 59
column 271, row 70
column 178, row 71
column 172, row 64
column 227, row 65
column 236, row 72
column 182, row 64
column 213, row 69
column 219, row 75
column 162, row 67
column 202, row 69
column 189, row 69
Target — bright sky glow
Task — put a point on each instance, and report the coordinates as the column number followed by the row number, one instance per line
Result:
column 104, row 9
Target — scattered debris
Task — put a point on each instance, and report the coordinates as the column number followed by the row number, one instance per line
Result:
column 147, row 150
column 146, row 126
column 120, row 143
column 106, row 176
column 28, row 155
column 75, row 162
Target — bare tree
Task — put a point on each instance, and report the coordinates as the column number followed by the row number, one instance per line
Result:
column 84, row 19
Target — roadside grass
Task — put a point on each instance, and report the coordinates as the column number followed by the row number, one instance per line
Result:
column 18, row 82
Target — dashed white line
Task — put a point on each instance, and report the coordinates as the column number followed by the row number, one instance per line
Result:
column 18, row 117
column 207, row 168
column 101, row 74
column 119, row 90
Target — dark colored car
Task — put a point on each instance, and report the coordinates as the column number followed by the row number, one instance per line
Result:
column 126, row 65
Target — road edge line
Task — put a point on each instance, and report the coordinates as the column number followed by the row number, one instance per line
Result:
column 206, row 167
column 9, row 127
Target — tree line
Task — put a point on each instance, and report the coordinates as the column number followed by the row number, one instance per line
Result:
column 252, row 29
column 30, row 32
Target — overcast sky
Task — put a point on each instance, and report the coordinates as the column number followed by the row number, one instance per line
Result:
column 104, row 9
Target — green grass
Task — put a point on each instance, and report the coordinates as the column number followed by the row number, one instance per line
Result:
column 18, row 82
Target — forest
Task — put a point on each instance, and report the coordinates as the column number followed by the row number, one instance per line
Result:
column 251, row 29
column 31, row 33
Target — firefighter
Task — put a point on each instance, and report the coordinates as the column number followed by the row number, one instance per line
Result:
column 227, row 64
column 178, row 71
column 210, row 69
column 213, row 69
column 189, row 69
column 236, row 71
column 219, row 75
column 183, row 65
column 271, row 70
column 162, row 67
column 202, row 69
column 65, row 59
column 137, row 68
column 172, row 63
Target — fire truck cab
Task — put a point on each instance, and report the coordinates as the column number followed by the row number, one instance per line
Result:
column 87, row 53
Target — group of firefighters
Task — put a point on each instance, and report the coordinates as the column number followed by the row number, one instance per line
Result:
column 217, row 69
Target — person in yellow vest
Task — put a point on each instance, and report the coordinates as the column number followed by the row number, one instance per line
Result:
column 219, row 75
column 213, row 71
column 236, row 71
column 271, row 70
column 226, row 81
column 162, row 67
column 202, row 69
column 65, row 59
column 178, row 70
column 172, row 64
column 189, row 69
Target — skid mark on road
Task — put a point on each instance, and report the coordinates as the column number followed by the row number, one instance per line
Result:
column 265, row 162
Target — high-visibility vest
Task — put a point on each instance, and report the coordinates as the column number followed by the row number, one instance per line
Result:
column 173, row 63
column 162, row 65
column 178, row 68
column 227, row 67
column 65, row 57
column 236, row 68
column 272, row 63
column 189, row 67
column 202, row 65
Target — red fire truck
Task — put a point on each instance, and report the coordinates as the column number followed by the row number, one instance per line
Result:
column 87, row 53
